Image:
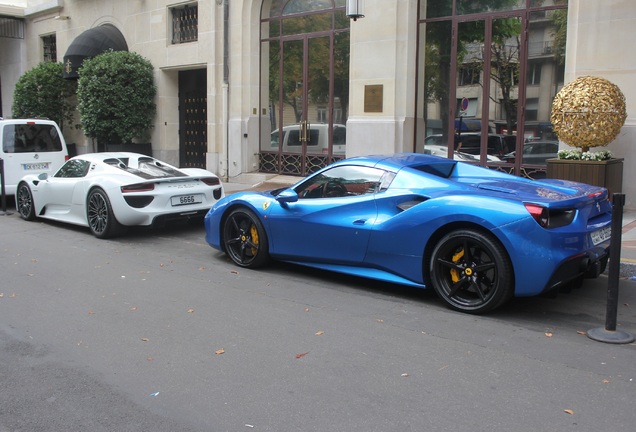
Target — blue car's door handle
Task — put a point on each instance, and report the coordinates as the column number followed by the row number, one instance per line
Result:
column 359, row 221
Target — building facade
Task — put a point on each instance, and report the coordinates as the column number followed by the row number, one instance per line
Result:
column 251, row 88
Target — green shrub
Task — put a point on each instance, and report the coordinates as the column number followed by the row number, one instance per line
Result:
column 43, row 92
column 115, row 95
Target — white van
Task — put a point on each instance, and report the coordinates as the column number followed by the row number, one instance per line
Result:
column 30, row 146
column 318, row 142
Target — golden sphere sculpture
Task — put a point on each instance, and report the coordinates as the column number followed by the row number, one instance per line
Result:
column 588, row 112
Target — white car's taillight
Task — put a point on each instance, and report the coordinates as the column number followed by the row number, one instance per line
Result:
column 138, row 187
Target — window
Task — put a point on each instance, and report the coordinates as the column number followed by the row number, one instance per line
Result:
column 74, row 168
column 185, row 23
column 344, row 181
column 31, row 138
column 534, row 73
column 469, row 74
column 49, row 44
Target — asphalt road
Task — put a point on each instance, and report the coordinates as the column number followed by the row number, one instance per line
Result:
column 155, row 331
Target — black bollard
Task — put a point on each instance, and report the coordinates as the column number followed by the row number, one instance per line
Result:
column 609, row 334
column 3, row 191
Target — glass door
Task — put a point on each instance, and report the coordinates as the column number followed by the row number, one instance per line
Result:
column 304, row 86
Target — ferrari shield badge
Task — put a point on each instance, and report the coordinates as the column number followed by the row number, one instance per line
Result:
column 266, row 205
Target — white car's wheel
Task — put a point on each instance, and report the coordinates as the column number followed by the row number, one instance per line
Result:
column 24, row 202
column 100, row 216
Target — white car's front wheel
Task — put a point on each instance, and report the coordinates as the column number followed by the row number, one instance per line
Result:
column 100, row 216
column 24, row 202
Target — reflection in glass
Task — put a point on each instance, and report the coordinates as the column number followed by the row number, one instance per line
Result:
column 436, row 80
column 504, row 71
column 544, row 77
column 465, row 7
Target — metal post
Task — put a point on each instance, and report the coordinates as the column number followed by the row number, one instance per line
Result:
column 609, row 333
column 2, row 190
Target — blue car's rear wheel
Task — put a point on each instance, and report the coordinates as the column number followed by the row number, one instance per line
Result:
column 244, row 239
column 471, row 271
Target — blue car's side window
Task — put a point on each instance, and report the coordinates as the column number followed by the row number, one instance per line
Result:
column 344, row 181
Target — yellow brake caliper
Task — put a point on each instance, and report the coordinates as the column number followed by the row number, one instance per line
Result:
column 454, row 272
column 254, row 234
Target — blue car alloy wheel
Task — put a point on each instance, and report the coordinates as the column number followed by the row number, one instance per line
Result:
column 244, row 239
column 471, row 271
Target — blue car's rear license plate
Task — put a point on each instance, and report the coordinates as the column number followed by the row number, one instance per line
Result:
column 601, row 235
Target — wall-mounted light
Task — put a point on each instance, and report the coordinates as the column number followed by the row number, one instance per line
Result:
column 61, row 17
column 355, row 9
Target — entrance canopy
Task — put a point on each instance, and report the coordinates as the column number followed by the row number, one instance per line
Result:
column 91, row 43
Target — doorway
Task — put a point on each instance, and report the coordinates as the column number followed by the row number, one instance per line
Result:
column 304, row 86
column 193, row 141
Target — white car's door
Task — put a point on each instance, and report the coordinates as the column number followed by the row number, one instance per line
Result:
column 62, row 196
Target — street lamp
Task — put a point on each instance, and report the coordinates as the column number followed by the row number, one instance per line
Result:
column 355, row 9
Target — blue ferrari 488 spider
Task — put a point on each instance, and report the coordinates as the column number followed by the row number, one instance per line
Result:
column 476, row 236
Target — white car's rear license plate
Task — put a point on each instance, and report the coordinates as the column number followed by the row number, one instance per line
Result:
column 36, row 166
column 601, row 235
column 186, row 199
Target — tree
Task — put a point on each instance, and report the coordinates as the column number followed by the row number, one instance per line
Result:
column 115, row 94
column 43, row 92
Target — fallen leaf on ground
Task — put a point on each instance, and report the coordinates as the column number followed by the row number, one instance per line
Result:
column 380, row 320
column 320, row 333
column 568, row 411
column 219, row 351
column 190, row 310
column 90, row 312
column 302, row 355
column 133, row 309
column 581, row 332
column 548, row 334
column 145, row 339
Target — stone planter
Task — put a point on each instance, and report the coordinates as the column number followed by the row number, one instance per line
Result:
column 608, row 174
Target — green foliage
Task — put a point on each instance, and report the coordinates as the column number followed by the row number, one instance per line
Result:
column 116, row 94
column 43, row 92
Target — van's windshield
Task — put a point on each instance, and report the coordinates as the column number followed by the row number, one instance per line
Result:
column 29, row 138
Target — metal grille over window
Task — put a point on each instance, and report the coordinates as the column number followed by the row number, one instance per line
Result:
column 185, row 24
column 11, row 28
column 50, row 48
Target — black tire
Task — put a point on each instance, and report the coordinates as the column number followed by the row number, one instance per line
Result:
column 471, row 272
column 24, row 202
column 245, row 239
column 100, row 216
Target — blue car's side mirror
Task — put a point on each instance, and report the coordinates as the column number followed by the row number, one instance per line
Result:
column 287, row 196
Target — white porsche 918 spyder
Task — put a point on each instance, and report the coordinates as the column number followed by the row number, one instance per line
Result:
column 110, row 191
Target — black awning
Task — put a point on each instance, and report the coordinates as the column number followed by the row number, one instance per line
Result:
column 91, row 43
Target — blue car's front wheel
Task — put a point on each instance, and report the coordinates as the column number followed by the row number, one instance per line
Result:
column 471, row 271
column 244, row 239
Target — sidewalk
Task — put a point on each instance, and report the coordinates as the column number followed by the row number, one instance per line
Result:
column 263, row 182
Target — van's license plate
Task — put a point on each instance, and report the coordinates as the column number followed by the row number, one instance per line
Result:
column 36, row 166
column 601, row 235
column 186, row 200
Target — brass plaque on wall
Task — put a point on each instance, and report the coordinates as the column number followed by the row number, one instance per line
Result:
column 373, row 95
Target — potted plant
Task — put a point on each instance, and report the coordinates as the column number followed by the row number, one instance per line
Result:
column 588, row 112
column 115, row 95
